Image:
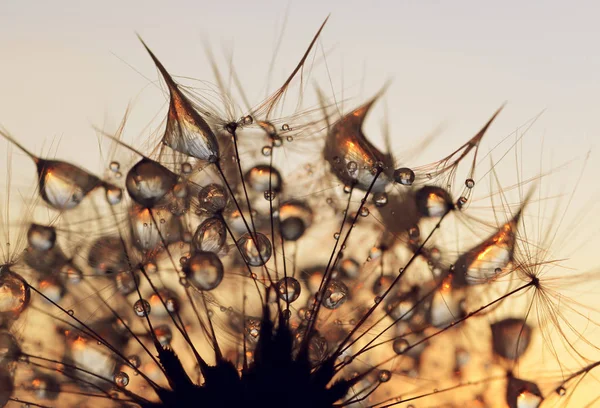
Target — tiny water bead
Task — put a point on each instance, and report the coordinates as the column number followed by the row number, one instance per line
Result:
column 186, row 168
column 400, row 345
column 385, row 375
column 288, row 289
column 142, row 307
column 114, row 166
column 266, row 151
column 121, row 379
column 255, row 248
column 469, row 183
column 404, row 176
column 204, row 270
column 114, row 195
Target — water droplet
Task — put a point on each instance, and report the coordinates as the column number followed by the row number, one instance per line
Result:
column 288, row 289
column 385, row 375
column 266, row 151
column 213, row 198
column 114, row 166
column 263, row 177
column 148, row 182
column 134, row 360
column 335, row 294
column 210, row 235
column 400, row 345
column 14, row 293
column 255, row 254
column 285, row 126
column 469, row 183
column 433, row 201
column 186, row 168
column 114, row 195
column 404, row 176
column 270, row 195
column 204, row 270
column 121, row 379
column 380, row 199
column 41, row 237
column 141, row 307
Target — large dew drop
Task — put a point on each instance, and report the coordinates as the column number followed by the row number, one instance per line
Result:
column 288, row 289
column 294, row 218
column 335, row 294
column 484, row 261
column 263, row 178
column 255, row 253
column 213, row 199
column 510, row 338
column 210, row 236
column 204, row 270
column 186, row 131
column 148, row 182
column 433, row 201
column 14, row 294
column 353, row 159
column 63, row 185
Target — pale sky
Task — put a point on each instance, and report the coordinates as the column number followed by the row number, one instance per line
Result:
column 452, row 63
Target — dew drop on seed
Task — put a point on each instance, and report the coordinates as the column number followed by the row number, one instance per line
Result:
column 255, row 253
column 148, row 182
column 288, row 289
column 41, row 237
column 380, row 199
column 141, row 307
column 385, row 375
column 347, row 189
column 121, row 379
column 204, row 270
column 213, row 198
column 114, row 166
column 349, row 268
column 404, row 176
column 433, row 201
column 14, row 294
column 270, row 195
column 163, row 334
column 511, row 338
column 186, row 168
column 44, row 387
column 210, row 235
column 335, row 294
column 247, row 120
column 400, row 345
column 114, row 195
column 266, row 151
column 470, row 183
column 263, row 177
column 63, row 185
column 134, row 360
